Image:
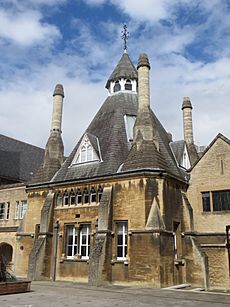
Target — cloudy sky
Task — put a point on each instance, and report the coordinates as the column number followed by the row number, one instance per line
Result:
column 77, row 43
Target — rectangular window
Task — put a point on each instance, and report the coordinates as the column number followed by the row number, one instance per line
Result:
column 78, row 241
column 17, row 209
column 129, row 124
column 122, row 240
column 85, row 241
column 2, row 211
column 221, row 200
column 7, row 211
column 206, row 201
column 71, row 247
column 22, row 208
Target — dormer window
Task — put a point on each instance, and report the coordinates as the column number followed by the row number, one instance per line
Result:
column 129, row 124
column 86, row 152
column 117, row 87
column 128, row 85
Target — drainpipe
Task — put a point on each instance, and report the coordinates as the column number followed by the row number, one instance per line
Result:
column 54, row 260
column 228, row 245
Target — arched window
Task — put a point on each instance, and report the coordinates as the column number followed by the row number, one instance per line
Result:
column 128, row 85
column 99, row 193
column 86, row 152
column 86, row 196
column 6, row 251
column 117, row 86
column 93, row 195
column 59, row 199
column 66, row 199
column 78, row 197
column 72, row 198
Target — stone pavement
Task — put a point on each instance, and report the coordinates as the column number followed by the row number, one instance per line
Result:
column 58, row 294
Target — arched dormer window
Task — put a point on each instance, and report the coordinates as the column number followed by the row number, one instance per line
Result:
column 86, row 152
column 66, row 199
column 128, row 85
column 117, row 87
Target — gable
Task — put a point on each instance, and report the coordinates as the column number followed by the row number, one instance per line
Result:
column 88, row 151
column 215, row 161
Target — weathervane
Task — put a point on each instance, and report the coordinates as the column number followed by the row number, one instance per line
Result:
column 125, row 36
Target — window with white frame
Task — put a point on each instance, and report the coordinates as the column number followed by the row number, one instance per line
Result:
column 20, row 209
column 129, row 124
column 72, row 198
column 85, row 153
column 93, row 196
column 4, row 211
column 122, row 229
column 78, row 241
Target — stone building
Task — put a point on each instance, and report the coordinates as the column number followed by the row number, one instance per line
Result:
column 18, row 161
column 126, row 206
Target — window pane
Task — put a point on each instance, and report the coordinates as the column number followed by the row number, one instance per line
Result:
column 83, row 154
column 129, row 123
column 119, row 251
column 206, row 201
column 89, row 153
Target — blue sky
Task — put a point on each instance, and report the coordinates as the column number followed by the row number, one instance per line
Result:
column 77, row 43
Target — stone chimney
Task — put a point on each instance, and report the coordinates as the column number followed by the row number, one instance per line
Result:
column 143, row 68
column 58, row 96
column 187, row 120
column 143, row 125
column 54, row 150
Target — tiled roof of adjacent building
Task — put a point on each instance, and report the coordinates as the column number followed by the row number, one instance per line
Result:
column 18, row 160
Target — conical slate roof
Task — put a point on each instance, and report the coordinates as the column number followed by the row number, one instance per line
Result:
column 124, row 69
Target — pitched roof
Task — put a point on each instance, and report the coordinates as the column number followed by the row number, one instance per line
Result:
column 109, row 127
column 219, row 136
column 124, row 69
column 18, row 160
column 178, row 149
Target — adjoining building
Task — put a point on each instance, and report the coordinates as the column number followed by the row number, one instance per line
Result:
column 128, row 205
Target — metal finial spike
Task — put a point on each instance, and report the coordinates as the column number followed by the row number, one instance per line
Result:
column 125, row 36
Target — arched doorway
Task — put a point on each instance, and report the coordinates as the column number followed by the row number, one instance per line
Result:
column 6, row 252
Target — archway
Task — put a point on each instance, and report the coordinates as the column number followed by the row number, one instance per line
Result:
column 6, row 252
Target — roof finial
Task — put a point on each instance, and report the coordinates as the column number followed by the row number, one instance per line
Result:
column 125, row 36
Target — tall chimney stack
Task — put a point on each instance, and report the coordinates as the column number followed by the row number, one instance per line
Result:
column 143, row 68
column 58, row 96
column 187, row 120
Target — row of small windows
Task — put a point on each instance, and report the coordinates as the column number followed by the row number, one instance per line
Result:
column 216, row 201
column 78, row 241
column 79, row 197
column 117, row 86
column 20, row 210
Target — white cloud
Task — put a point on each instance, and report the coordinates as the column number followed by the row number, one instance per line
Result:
column 26, row 28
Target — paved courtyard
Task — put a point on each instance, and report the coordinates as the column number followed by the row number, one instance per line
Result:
column 74, row 294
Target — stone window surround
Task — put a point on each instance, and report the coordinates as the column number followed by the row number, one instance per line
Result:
column 211, row 202
column 82, row 246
